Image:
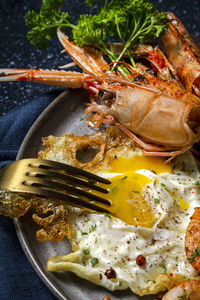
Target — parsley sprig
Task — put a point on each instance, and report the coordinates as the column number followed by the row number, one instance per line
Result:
column 127, row 21
column 43, row 26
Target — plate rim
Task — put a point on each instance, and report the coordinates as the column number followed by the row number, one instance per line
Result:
column 52, row 286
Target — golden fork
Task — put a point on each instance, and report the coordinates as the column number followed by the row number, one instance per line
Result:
column 47, row 178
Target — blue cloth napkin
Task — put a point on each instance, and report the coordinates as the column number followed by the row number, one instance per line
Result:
column 18, row 280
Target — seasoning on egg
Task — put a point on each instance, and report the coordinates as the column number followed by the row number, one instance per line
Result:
column 94, row 261
column 140, row 260
column 110, row 273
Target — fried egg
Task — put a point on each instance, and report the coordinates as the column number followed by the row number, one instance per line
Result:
column 141, row 244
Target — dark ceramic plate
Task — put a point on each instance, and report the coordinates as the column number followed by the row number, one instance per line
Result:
column 61, row 116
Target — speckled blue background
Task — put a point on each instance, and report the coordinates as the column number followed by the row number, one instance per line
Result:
column 17, row 52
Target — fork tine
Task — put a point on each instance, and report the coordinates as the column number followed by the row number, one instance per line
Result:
column 43, row 163
column 64, row 187
column 38, row 177
column 47, row 173
column 73, row 201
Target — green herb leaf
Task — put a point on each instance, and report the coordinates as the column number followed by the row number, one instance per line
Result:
column 86, row 251
column 125, row 177
column 90, row 2
column 43, row 26
column 149, row 280
column 128, row 21
column 136, row 192
column 94, row 261
column 84, row 233
column 114, row 189
column 94, row 228
column 164, row 267
column 194, row 255
column 106, row 215
column 156, row 200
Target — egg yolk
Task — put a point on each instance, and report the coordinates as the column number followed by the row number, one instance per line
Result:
column 125, row 191
column 183, row 204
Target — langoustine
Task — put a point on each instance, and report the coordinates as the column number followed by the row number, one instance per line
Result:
column 183, row 53
column 189, row 290
column 159, row 115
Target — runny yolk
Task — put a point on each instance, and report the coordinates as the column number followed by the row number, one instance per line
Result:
column 125, row 191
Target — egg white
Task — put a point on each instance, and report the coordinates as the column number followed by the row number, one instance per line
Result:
column 100, row 242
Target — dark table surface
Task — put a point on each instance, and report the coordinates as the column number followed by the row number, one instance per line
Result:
column 17, row 52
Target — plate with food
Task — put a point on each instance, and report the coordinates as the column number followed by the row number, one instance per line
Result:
column 131, row 116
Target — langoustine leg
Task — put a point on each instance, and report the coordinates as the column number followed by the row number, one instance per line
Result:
column 50, row 77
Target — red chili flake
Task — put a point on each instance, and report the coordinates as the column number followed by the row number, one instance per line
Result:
column 141, row 261
column 110, row 273
column 100, row 276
